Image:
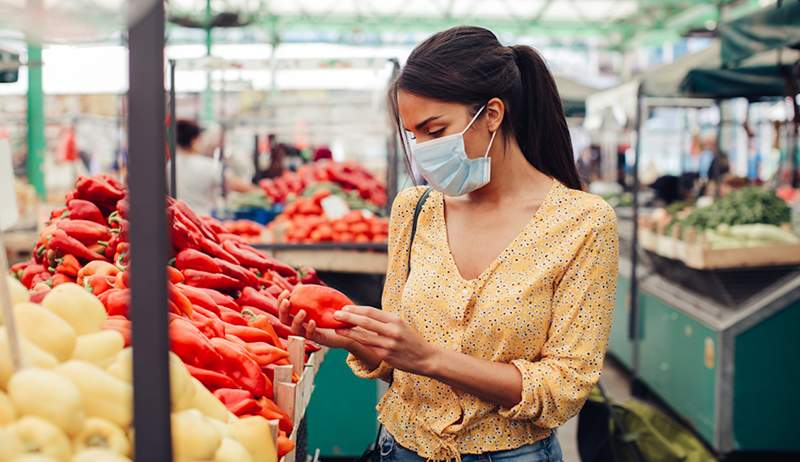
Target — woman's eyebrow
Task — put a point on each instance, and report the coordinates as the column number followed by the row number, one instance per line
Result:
column 425, row 122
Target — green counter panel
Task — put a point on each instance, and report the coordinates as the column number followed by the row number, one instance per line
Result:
column 341, row 416
column 678, row 361
column 619, row 344
column 766, row 401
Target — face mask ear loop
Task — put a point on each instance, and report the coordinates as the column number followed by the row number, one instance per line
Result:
column 491, row 140
column 473, row 119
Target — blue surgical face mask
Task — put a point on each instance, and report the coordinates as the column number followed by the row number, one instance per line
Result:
column 443, row 162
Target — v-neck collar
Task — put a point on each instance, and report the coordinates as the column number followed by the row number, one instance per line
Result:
column 530, row 226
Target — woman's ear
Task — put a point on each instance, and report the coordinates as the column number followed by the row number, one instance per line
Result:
column 495, row 111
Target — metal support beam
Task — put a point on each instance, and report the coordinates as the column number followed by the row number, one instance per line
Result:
column 173, row 133
column 633, row 313
column 149, row 241
column 208, row 94
column 36, row 121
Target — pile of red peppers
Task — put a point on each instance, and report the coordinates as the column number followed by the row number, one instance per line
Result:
column 223, row 310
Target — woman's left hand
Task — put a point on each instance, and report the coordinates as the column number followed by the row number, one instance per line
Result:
column 394, row 341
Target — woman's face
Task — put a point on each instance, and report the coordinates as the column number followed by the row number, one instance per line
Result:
column 425, row 119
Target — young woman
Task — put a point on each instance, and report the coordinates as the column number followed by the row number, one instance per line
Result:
column 496, row 333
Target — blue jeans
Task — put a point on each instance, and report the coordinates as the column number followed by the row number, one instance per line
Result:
column 546, row 450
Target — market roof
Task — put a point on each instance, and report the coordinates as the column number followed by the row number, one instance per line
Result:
column 767, row 29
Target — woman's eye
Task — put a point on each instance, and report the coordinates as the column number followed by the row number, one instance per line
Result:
column 437, row 133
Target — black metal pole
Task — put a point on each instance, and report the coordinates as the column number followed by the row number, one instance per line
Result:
column 256, row 169
column 173, row 124
column 149, row 241
column 633, row 314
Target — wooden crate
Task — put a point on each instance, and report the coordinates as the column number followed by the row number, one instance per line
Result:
column 699, row 256
column 648, row 240
column 294, row 397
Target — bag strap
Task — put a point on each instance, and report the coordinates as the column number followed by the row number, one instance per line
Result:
column 417, row 211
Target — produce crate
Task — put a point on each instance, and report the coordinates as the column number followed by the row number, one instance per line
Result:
column 294, row 397
column 698, row 256
column 366, row 258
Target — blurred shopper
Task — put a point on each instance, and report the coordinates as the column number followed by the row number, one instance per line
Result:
column 496, row 332
column 276, row 158
column 199, row 177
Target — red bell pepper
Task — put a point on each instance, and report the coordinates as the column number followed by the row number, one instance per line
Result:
column 240, row 367
column 231, row 316
column 196, row 260
column 207, row 326
column 116, row 301
column 62, row 243
column 97, row 190
column 319, row 303
column 211, row 280
column 30, row 272
column 199, row 297
column 247, row 333
column 68, row 266
column 88, row 232
column 179, row 299
column 59, row 279
column 237, row 272
column 252, row 297
column 265, row 353
column 191, row 345
column 211, row 379
column 262, row 323
column 121, row 325
column 98, row 276
column 79, row 209
column 221, row 299
column 271, row 411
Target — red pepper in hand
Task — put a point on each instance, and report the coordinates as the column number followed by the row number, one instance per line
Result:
column 254, row 298
column 64, row 244
column 240, row 367
column 88, row 232
column 191, row 345
column 116, row 301
column 79, row 209
column 210, row 280
column 319, row 303
column 211, row 379
column 199, row 297
column 68, row 266
column 231, row 316
column 196, row 260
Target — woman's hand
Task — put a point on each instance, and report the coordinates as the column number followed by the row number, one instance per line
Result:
column 392, row 340
column 327, row 337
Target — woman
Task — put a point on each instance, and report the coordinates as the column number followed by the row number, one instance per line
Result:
column 497, row 333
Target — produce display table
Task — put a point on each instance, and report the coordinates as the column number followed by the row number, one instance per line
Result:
column 19, row 244
column 708, row 347
column 368, row 258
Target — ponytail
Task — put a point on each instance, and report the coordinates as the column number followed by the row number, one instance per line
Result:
column 468, row 65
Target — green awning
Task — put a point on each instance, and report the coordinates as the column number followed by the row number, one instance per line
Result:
column 768, row 29
column 573, row 95
column 745, row 82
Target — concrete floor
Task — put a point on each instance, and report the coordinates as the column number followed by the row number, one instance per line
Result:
column 615, row 383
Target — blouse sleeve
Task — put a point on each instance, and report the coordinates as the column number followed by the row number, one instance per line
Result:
column 400, row 222
column 555, row 387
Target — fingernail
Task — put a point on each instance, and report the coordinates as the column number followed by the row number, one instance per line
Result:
column 339, row 315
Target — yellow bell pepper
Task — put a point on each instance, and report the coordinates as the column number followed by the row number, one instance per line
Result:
column 45, row 394
column 205, row 402
column 182, row 389
column 38, row 436
column 102, row 434
column 7, row 412
column 193, row 438
column 104, row 395
column 31, row 356
column 232, row 451
column 10, row 445
column 34, row 458
column 99, row 348
column 72, row 303
column 254, row 434
column 46, row 330
column 99, row 455
column 18, row 292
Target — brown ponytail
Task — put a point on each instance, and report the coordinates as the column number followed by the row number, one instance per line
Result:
column 468, row 65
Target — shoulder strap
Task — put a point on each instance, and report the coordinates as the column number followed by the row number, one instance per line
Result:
column 417, row 211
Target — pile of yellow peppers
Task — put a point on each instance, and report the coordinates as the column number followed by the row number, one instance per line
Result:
column 72, row 401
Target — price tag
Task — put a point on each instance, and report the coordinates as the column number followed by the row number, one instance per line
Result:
column 9, row 214
column 334, row 207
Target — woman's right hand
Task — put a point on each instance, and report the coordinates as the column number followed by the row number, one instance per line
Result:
column 309, row 330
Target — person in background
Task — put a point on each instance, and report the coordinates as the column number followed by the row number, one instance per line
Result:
column 198, row 177
column 322, row 153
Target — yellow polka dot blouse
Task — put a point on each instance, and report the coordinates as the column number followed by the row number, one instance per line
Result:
column 545, row 305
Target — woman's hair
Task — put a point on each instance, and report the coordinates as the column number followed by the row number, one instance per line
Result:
column 468, row 65
column 186, row 131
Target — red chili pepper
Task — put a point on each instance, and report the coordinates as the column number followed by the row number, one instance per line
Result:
column 213, row 224
column 182, row 238
column 212, row 248
column 231, row 237
column 62, row 243
column 96, row 190
column 237, row 272
column 231, row 316
column 199, row 297
column 121, row 325
column 271, row 411
column 30, row 272
column 222, row 299
column 173, row 275
column 88, row 232
column 59, row 279
column 180, row 300
column 266, row 353
column 212, row 380
column 206, row 325
column 195, row 219
column 211, row 280
column 240, row 367
column 68, row 266
column 196, row 260
column 252, row 297
column 79, row 209
column 116, row 301
column 191, row 345
column 319, row 303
